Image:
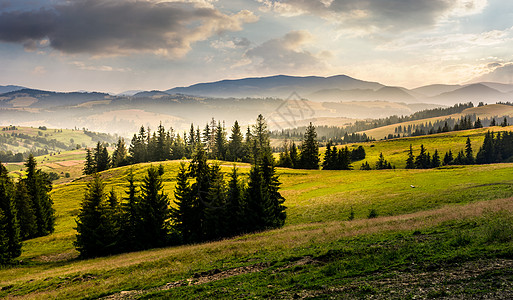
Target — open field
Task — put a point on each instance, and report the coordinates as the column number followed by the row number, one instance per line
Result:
column 396, row 150
column 66, row 138
column 446, row 219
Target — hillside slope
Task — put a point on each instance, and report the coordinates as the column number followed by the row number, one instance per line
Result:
column 487, row 111
column 447, row 219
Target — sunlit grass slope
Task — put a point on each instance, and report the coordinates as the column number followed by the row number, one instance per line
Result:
column 396, row 150
column 447, row 216
column 487, row 111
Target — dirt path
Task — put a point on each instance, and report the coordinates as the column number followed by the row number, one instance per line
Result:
column 198, row 278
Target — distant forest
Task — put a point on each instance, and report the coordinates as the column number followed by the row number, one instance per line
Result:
column 347, row 134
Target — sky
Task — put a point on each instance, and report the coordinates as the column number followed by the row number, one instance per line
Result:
column 118, row 45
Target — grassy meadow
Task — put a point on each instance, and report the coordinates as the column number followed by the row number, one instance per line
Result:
column 487, row 111
column 451, row 234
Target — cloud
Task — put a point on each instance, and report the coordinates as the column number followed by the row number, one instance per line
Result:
column 39, row 70
column 286, row 54
column 113, row 27
column 370, row 16
column 232, row 43
column 451, row 43
column 497, row 72
column 83, row 66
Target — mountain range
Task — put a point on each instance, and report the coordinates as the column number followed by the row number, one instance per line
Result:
column 345, row 88
column 284, row 100
column 340, row 88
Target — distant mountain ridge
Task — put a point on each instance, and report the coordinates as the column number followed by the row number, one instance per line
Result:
column 339, row 88
column 347, row 89
column 280, row 86
column 9, row 88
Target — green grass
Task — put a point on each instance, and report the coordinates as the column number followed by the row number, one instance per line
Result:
column 396, row 150
column 450, row 217
column 65, row 136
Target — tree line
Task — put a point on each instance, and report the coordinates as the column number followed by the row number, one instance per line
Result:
column 26, row 209
column 348, row 134
column 306, row 156
column 447, row 125
column 163, row 144
column 206, row 205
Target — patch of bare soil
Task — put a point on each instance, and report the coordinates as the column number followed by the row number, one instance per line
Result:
column 483, row 279
column 197, row 278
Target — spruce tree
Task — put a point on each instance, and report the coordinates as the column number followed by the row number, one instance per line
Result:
column 129, row 221
column 26, row 217
column 260, row 140
column 215, row 211
column 219, row 151
column 469, row 158
column 89, row 165
column 435, row 161
column 200, row 171
column 309, row 156
column 101, row 157
column 235, row 150
column 9, row 219
column 256, row 202
column 153, row 211
column 235, row 207
column 182, row 214
column 120, row 154
column 39, row 187
column 448, row 158
column 294, row 157
column 410, row 161
column 96, row 235
column 275, row 210
column 326, row 164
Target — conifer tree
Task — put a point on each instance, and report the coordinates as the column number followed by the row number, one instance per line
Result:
column 275, row 209
column 309, row 156
column 235, row 150
column 410, row 161
column 9, row 224
column 365, row 166
column 39, row 187
column 120, row 154
column 294, row 157
column 200, row 171
column 326, row 164
column 478, row 123
column 183, row 213
column 422, row 161
column 129, row 220
column 256, row 202
column 504, row 122
column 89, row 165
column 26, row 217
column 260, row 140
column 448, row 158
column 235, row 207
column 469, row 158
column 101, row 157
column 215, row 209
column 162, row 144
column 96, row 235
column 153, row 211
column 435, row 161
column 219, row 151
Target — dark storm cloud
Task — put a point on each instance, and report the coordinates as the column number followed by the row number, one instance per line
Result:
column 119, row 27
column 373, row 15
